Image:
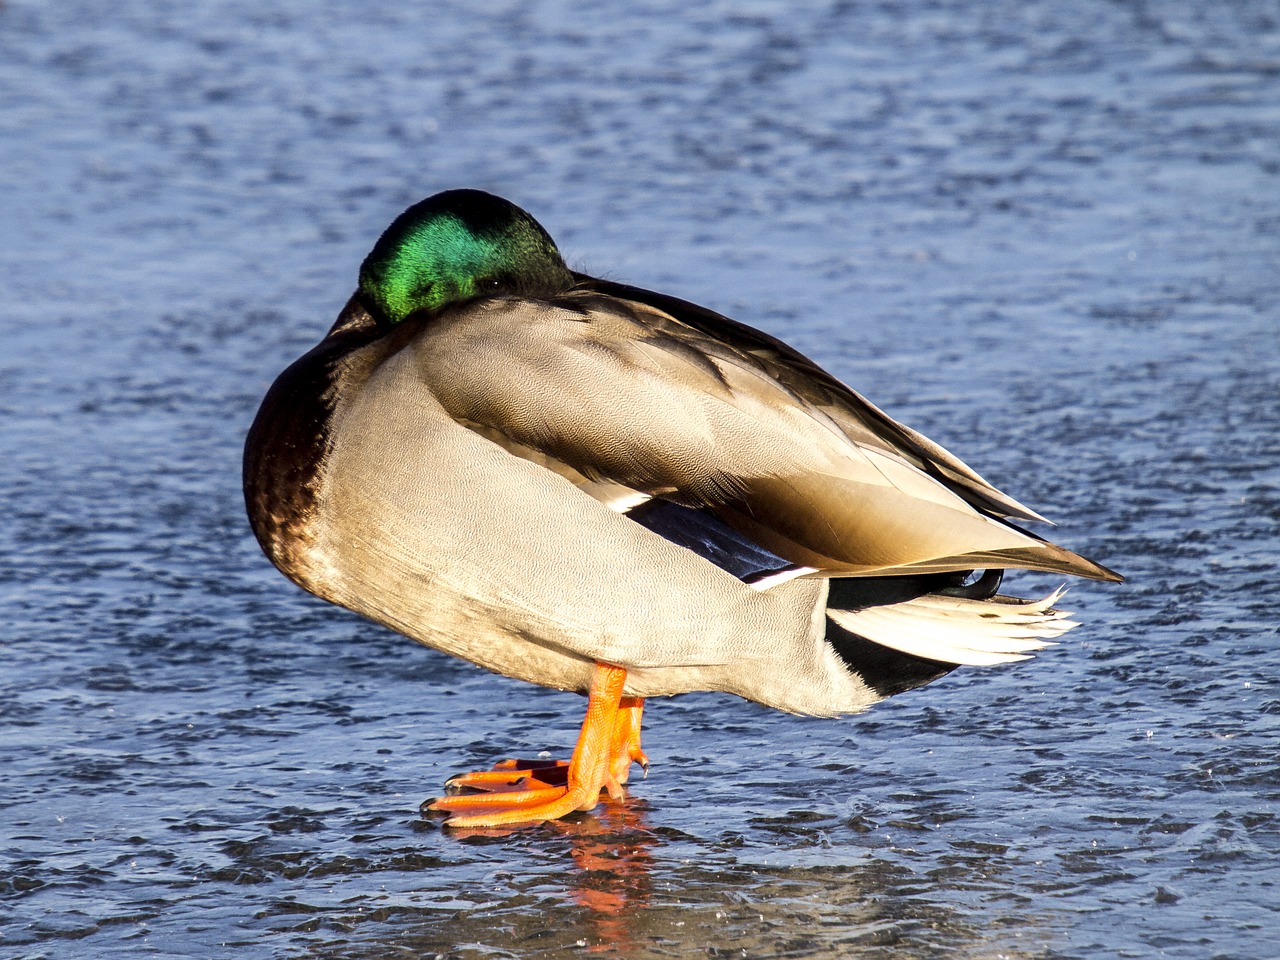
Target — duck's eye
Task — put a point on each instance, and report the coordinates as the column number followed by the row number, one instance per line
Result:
column 488, row 284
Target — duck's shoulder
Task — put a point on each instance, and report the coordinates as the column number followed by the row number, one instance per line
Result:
column 783, row 361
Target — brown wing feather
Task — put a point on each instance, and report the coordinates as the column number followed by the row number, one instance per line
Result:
column 862, row 420
column 624, row 392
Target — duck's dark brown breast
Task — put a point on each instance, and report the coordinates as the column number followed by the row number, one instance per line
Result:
column 286, row 448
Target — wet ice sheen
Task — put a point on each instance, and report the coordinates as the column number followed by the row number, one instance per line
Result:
column 1044, row 234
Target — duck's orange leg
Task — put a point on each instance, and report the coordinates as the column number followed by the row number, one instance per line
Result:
column 608, row 728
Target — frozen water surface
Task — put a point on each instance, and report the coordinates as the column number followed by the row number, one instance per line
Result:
column 1046, row 234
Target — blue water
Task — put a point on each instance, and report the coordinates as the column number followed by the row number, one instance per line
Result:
column 1046, row 234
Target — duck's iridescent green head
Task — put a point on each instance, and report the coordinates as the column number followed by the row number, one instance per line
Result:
column 455, row 246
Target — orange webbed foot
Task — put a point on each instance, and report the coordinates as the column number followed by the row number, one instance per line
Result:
column 518, row 792
column 510, row 775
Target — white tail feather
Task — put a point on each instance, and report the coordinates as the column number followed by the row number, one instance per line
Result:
column 956, row 630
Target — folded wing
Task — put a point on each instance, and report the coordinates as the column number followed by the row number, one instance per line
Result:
column 631, row 402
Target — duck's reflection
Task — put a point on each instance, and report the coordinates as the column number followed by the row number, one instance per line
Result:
column 612, row 865
column 611, row 850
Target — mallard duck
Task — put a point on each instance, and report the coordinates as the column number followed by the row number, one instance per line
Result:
column 598, row 488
